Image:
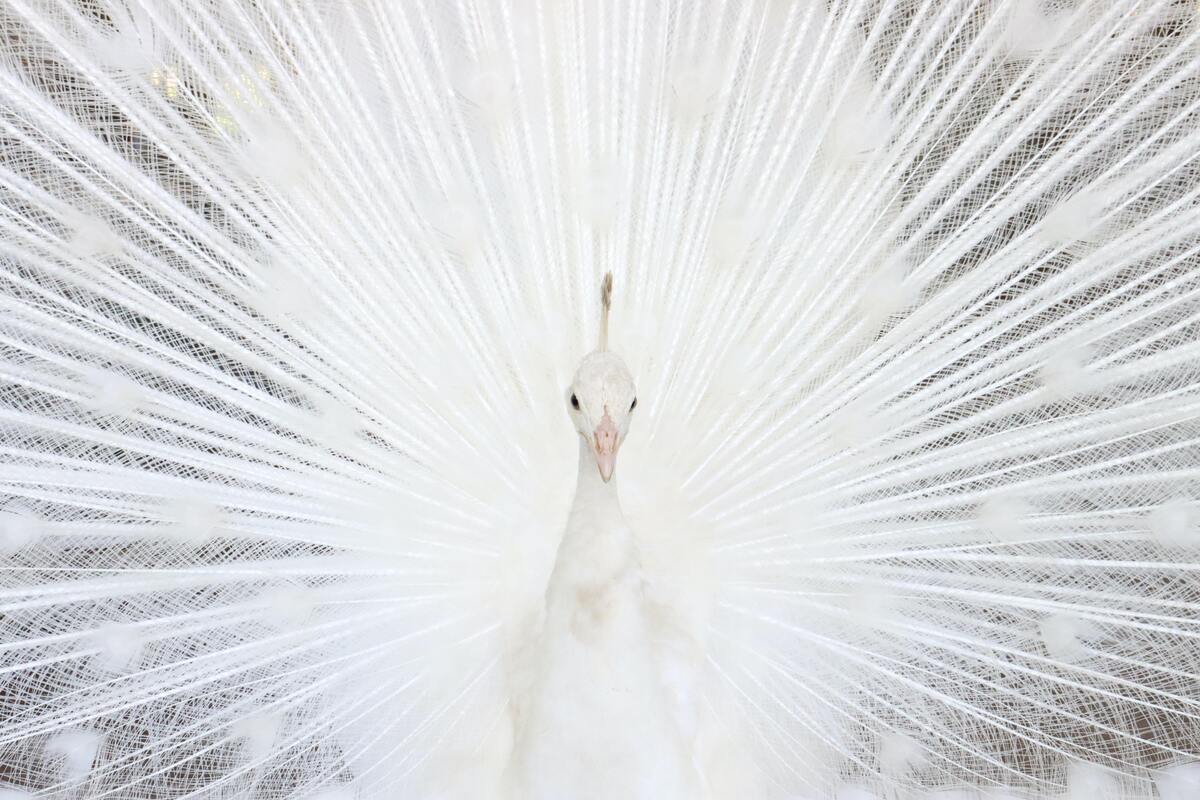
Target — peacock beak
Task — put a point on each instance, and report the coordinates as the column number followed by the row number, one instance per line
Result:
column 605, row 442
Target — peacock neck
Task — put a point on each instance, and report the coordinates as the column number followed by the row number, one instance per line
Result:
column 597, row 543
column 593, row 497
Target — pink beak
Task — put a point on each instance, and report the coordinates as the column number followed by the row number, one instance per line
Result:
column 606, row 444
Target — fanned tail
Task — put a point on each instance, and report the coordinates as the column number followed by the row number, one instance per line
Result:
column 289, row 295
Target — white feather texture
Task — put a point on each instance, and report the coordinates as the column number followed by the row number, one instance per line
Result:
column 291, row 292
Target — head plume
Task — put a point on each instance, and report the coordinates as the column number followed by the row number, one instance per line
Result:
column 606, row 289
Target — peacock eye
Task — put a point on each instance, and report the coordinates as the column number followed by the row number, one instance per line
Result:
column 574, row 402
column 633, row 405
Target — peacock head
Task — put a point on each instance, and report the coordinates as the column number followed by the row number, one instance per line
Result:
column 602, row 402
column 603, row 396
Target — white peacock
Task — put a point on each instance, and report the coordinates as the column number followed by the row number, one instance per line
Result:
column 291, row 298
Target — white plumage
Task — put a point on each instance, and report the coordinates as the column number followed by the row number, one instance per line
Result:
column 290, row 297
column 597, row 721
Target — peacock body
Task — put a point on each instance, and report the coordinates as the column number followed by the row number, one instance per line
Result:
column 594, row 719
column 291, row 296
